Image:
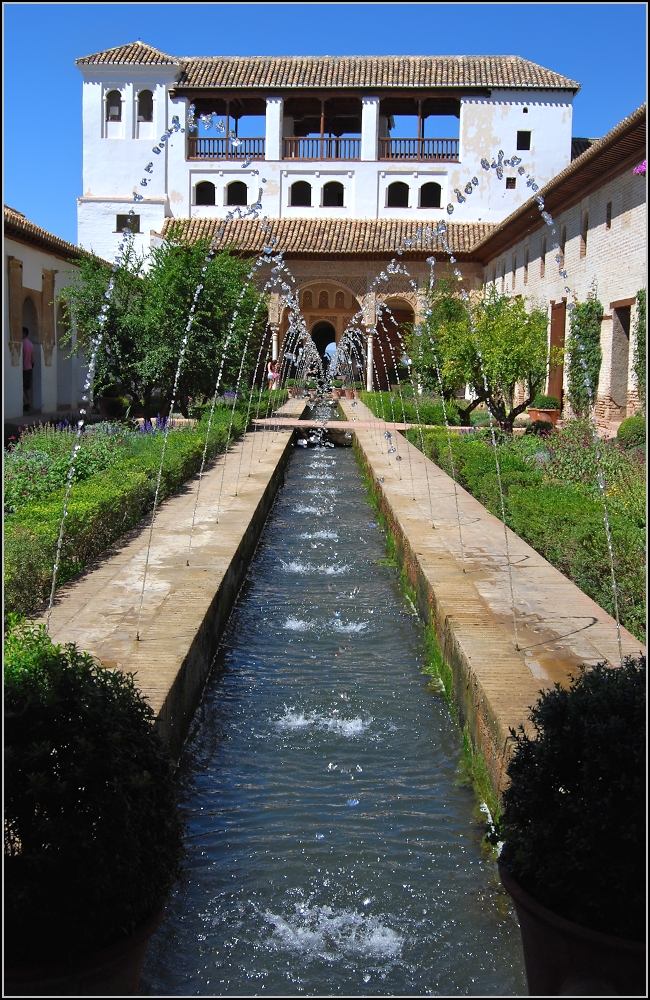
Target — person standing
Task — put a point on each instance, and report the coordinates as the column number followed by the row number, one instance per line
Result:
column 28, row 370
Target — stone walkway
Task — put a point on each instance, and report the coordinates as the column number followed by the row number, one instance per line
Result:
column 188, row 595
column 468, row 592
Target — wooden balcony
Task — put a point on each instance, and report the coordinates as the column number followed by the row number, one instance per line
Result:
column 419, row 149
column 321, row 149
column 222, row 149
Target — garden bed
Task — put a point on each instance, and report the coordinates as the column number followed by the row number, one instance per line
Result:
column 114, row 487
column 552, row 501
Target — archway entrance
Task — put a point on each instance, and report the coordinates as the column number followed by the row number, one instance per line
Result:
column 389, row 347
column 30, row 320
column 323, row 334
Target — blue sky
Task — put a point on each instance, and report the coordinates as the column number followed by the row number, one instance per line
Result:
column 602, row 46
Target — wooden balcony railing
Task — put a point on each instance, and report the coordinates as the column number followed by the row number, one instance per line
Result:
column 223, row 149
column 418, row 149
column 321, row 149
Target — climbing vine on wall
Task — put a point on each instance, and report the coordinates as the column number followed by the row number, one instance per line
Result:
column 639, row 344
column 584, row 345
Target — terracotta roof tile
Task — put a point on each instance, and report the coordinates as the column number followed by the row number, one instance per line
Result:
column 369, row 71
column 300, row 72
column 16, row 226
column 134, row 53
column 323, row 237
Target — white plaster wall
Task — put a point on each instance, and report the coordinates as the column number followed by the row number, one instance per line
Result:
column 487, row 125
column 97, row 220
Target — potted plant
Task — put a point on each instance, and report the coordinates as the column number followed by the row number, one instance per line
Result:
column 312, row 389
column 545, row 408
column 337, row 388
column 349, row 392
column 93, row 834
column 290, row 385
column 573, row 832
column 358, row 386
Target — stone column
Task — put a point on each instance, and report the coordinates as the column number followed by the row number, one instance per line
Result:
column 15, row 309
column 370, row 323
column 369, row 128
column 275, row 315
column 273, row 148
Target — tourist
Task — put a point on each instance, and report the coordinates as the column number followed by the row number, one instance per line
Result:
column 28, row 370
column 273, row 375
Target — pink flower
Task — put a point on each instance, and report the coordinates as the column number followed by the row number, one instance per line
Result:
column 640, row 170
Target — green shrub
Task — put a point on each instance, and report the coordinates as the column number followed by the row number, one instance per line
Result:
column 541, row 428
column 553, row 501
column 573, row 816
column 100, row 510
column 631, row 433
column 545, row 403
column 93, row 835
column 413, row 410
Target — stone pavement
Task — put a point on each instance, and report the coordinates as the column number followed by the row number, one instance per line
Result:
column 188, row 594
column 466, row 591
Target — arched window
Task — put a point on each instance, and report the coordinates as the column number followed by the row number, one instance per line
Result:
column 145, row 106
column 301, row 194
column 340, row 300
column 307, row 300
column 205, row 193
column 113, row 106
column 333, row 195
column 430, row 195
column 398, row 195
column 323, row 300
column 237, row 193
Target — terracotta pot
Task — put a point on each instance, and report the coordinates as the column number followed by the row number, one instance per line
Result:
column 113, row 971
column 565, row 959
column 552, row 416
column 337, row 393
column 349, row 393
column 313, row 393
column 356, row 393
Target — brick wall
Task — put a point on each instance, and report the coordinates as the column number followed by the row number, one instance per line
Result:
column 614, row 259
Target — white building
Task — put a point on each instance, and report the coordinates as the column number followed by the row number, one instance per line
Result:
column 37, row 266
column 316, row 135
column 598, row 206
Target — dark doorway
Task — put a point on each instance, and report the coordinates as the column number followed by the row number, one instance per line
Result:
column 620, row 355
column 322, row 335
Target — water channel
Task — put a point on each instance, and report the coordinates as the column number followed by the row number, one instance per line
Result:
column 332, row 849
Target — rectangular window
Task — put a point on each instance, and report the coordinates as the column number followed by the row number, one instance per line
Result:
column 525, row 265
column 608, row 216
column 584, row 228
column 514, row 270
column 542, row 259
column 131, row 222
column 511, row 183
column 503, row 276
column 563, row 238
column 523, row 140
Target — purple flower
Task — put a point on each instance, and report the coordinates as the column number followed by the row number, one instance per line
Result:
column 640, row 169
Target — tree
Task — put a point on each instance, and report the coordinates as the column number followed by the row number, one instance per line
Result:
column 493, row 345
column 147, row 318
column 584, row 353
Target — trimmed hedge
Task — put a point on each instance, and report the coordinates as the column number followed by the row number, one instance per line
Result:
column 389, row 406
column 100, row 510
column 561, row 520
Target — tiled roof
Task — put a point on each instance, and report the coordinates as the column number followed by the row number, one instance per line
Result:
column 326, row 237
column 616, row 151
column 580, row 146
column 135, row 53
column 300, row 72
column 16, row 226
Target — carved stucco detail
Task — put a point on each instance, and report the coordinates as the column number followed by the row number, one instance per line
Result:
column 15, row 350
column 355, row 283
column 47, row 352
